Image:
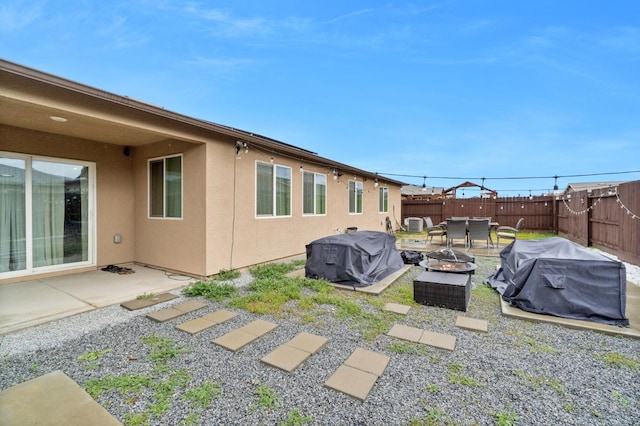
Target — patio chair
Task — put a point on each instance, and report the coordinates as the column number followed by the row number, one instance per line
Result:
column 478, row 230
column 509, row 232
column 456, row 230
column 434, row 230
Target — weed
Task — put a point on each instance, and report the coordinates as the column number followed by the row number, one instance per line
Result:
column 225, row 275
column 33, row 368
column 568, row 407
column 267, row 398
column 295, row 418
column 126, row 384
column 146, row 295
column 165, row 389
column 503, row 418
column 596, row 413
column 434, row 417
column 92, row 358
column 211, row 290
column 432, row 388
column 620, row 398
column 202, row 395
column 162, row 348
column 539, row 381
column 407, row 348
column 613, row 359
column 136, row 419
column 454, row 375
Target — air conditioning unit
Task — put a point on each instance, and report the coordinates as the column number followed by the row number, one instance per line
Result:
column 414, row 224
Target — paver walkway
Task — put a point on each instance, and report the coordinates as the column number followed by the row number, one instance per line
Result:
column 417, row 335
column 176, row 310
column 244, row 335
column 358, row 374
column 289, row 356
column 136, row 304
column 214, row 318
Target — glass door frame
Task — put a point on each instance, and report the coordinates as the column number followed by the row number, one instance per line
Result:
column 91, row 221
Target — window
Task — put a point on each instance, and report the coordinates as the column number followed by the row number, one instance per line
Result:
column 355, row 196
column 45, row 206
column 314, row 193
column 273, row 190
column 383, row 200
column 165, row 187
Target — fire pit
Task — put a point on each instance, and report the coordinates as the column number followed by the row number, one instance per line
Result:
column 446, row 281
column 448, row 260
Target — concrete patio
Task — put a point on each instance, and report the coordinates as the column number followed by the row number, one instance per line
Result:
column 30, row 303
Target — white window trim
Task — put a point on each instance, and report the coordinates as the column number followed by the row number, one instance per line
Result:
column 387, row 190
column 357, row 183
column 326, row 196
column 91, row 225
column 164, row 204
column 273, row 188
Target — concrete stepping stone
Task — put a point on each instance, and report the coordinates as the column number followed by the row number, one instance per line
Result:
column 289, row 356
column 397, row 308
column 358, row 374
column 52, row 399
column 417, row 335
column 405, row 332
column 238, row 338
column 176, row 310
column 472, row 324
column 136, row 304
column 214, row 318
column 438, row 340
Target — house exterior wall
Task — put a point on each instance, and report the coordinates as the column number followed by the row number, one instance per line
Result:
column 174, row 244
column 114, row 186
column 253, row 240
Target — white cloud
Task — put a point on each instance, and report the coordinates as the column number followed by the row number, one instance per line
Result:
column 18, row 15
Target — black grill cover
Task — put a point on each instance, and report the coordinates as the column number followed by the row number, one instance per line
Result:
column 358, row 259
column 557, row 277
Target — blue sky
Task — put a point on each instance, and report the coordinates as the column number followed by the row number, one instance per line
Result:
column 462, row 88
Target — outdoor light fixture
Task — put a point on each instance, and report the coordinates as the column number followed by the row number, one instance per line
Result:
column 375, row 182
column 301, row 169
column 335, row 174
column 271, row 160
column 239, row 146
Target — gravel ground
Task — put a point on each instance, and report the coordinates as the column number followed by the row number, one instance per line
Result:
column 539, row 374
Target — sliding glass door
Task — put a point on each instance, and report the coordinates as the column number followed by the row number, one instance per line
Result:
column 45, row 221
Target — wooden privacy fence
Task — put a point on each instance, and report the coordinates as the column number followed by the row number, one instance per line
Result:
column 605, row 218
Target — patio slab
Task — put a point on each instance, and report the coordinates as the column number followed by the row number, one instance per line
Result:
column 358, row 374
column 472, row 324
column 240, row 337
column 438, row 340
column 377, row 287
column 52, row 399
column 397, row 308
column 290, row 355
column 405, row 332
column 176, row 310
column 207, row 321
column 136, row 304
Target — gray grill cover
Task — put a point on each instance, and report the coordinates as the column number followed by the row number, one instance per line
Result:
column 557, row 277
column 358, row 259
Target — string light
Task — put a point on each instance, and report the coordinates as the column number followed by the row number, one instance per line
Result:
column 622, row 206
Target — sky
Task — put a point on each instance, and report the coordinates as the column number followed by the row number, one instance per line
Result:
column 434, row 92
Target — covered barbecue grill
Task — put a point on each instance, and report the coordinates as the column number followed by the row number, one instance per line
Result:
column 557, row 277
column 358, row 259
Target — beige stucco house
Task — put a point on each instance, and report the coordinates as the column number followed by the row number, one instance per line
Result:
column 89, row 178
